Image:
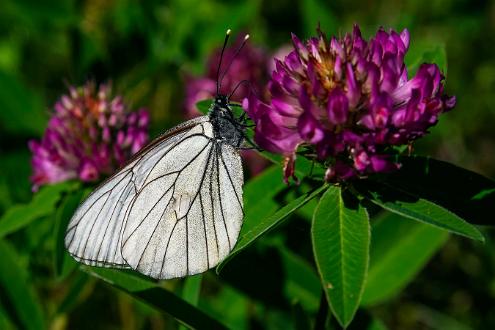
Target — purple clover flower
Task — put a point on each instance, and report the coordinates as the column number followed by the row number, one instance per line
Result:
column 348, row 100
column 89, row 134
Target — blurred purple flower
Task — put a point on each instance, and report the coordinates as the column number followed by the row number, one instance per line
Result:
column 89, row 134
column 350, row 100
column 250, row 64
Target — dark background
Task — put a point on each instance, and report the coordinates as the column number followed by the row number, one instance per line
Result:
column 147, row 47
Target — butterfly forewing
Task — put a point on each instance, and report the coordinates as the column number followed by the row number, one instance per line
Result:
column 174, row 210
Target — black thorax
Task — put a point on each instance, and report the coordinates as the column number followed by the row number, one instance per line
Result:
column 226, row 127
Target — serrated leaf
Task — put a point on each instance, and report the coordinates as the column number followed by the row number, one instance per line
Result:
column 409, row 206
column 15, row 286
column 341, row 236
column 42, row 204
column 157, row 297
column 249, row 235
column 400, row 248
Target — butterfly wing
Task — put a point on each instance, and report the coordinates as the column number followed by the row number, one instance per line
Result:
column 174, row 210
column 187, row 216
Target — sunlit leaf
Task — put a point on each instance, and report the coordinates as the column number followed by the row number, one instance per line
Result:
column 341, row 237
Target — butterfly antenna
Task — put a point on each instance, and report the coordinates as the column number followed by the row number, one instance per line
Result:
column 233, row 58
column 227, row 35
column 245, row 81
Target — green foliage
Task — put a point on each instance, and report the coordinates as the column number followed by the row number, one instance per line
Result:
column 63, row 263
column 14, row 283
column 249, row 235
column 418, row 274
column 419, row 209
column 22, row 110
column 157, row 297
column 42, row 205
column 400, row 248
column 341, row 237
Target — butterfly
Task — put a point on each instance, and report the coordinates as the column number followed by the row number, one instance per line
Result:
column 176, row 208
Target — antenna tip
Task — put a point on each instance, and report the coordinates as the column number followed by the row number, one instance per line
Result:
column 246, row 37
column 228, row 32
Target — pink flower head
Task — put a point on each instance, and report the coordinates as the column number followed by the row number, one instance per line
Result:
column 90, row 134
column 349, row 99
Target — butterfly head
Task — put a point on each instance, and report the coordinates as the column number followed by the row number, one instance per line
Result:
column 221, row 101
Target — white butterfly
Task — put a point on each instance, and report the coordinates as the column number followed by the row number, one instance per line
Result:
column 175, row 209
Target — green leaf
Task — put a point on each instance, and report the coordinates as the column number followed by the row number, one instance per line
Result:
column 5, row 322
column 75, row 293
column 62, row 218
column 301, row 282
column 204, row 106
column 419, row 209
column 15, row 285
column 22, row 110
column 341, row 238
column 248, row 235
column 317, row 12
column 469, row 195
column 157, row 297
column 229, row 305
column 42, row 204
column 301, row 319
column 257, row 208
column 377, row 324
column 400, row 248
column 429, row 53
column 191, row 290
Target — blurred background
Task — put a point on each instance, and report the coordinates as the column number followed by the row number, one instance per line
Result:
column 147, row 49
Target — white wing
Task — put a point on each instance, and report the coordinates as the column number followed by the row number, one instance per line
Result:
column 174, row 210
